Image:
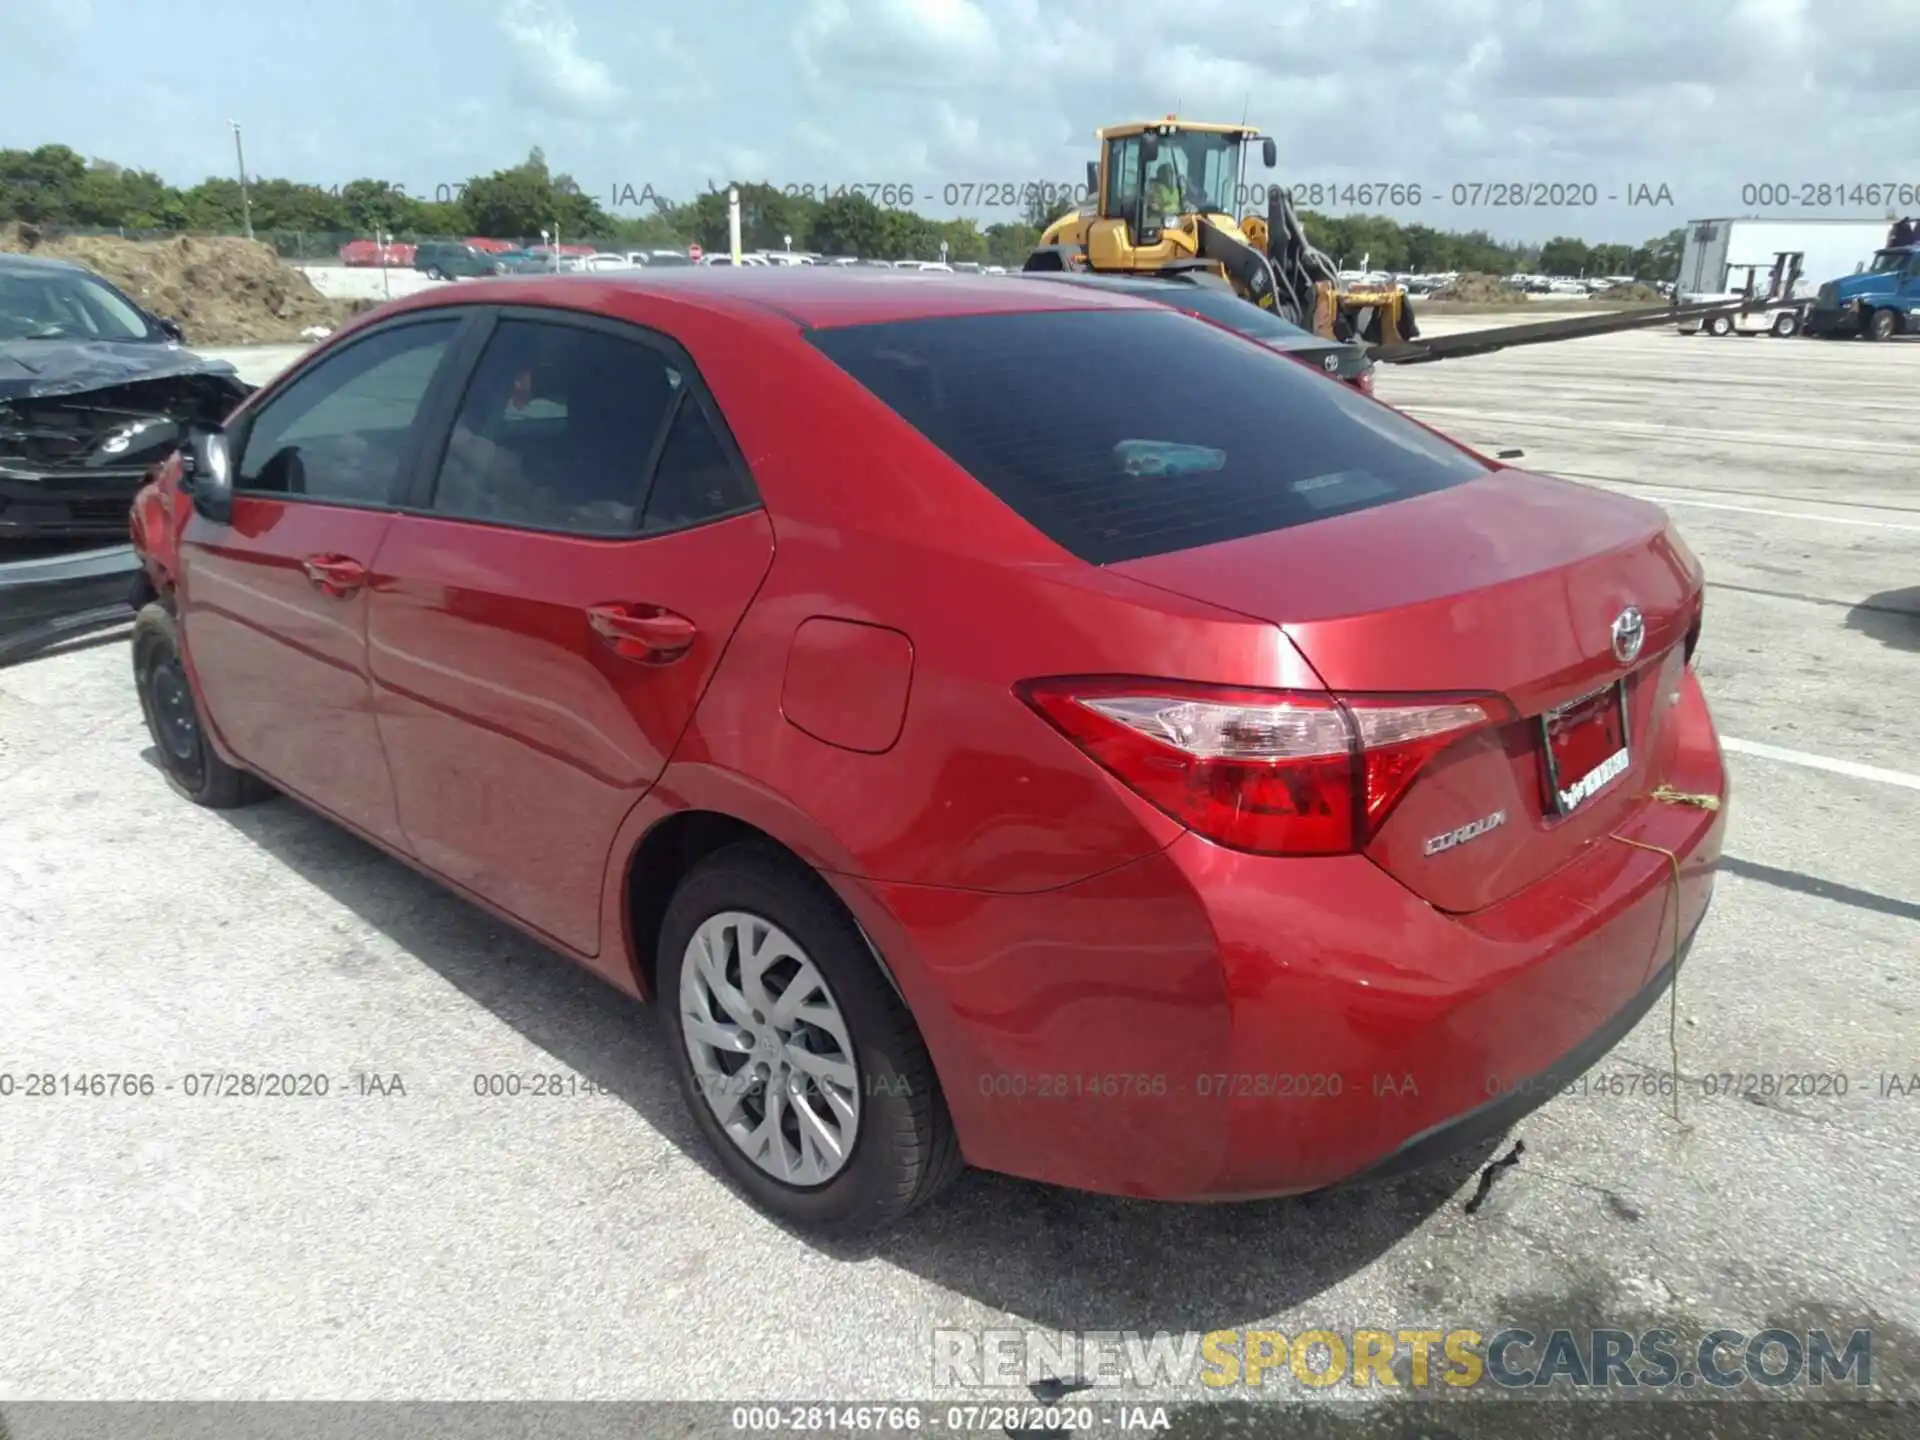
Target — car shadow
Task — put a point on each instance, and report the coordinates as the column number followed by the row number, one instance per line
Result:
column 1051, row 1257
column 1892, row 617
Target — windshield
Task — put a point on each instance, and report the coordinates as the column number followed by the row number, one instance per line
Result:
column 1888, row 262
column 65, row 305
column 1203, row 169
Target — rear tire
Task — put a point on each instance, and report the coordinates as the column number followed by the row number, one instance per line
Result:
column 175, row 721
column 899, row 1149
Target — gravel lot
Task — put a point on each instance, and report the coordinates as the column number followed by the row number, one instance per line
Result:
column 430, row 1244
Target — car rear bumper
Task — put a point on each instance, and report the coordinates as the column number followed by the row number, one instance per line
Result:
column 1207, row 1025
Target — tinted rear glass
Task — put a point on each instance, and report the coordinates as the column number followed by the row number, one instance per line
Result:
column 1123, row 433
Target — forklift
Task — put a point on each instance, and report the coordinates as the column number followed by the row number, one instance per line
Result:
column 1769, row 301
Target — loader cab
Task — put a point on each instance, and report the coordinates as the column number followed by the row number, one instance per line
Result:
column 1151, row 176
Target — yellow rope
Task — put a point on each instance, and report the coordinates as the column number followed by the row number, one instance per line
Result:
column 1667, row 795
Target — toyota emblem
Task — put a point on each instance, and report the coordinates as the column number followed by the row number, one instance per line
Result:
column 1629, row 634
column 1332, row 362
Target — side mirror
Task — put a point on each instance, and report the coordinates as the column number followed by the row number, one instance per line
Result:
column 1269, row 152
column 209, row 469
column 1093, row 178
column 171, row 329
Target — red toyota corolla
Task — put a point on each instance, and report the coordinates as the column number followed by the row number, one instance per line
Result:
column 1002, row 723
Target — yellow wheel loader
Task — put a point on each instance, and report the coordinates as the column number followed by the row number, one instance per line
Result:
column 1165, row 196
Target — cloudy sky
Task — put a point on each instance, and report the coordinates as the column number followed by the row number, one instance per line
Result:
column 1702, row 97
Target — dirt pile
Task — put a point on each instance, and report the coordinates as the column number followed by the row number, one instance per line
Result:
column 1476, row 289
column 222, row 290
column 1636, row 292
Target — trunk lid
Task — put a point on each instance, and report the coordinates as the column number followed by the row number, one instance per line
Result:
column 1507, row 585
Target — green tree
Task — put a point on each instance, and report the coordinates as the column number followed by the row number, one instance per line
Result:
column 369, row 205
column 526, row 199
column 1010, row 243
column 849, row 224
column 41, row 185
column 1660, row 259
column 1565, row 255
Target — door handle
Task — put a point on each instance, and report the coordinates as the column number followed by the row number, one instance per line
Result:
column 651, row 634
column 335, row 575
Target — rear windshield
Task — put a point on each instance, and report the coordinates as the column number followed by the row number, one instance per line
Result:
column 1124, row 433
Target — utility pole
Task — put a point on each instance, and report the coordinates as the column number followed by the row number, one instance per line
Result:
column 239, row 155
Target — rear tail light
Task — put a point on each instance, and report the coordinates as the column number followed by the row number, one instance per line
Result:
column 1363, row 382
column 1274, row 772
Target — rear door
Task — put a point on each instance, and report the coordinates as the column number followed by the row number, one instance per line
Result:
column 274, row 603
column 584, row 541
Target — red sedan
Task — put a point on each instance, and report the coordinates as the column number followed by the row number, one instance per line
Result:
column 1003, row 723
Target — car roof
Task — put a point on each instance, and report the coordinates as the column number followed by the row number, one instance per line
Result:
column 11, row 261
column 809, row 296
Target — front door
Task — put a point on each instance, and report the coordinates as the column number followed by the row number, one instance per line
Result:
column 539, row 637
column 274, row 603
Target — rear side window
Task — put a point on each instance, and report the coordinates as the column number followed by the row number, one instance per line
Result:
column 1126, row 433
column 696, row 479
column 556, row 429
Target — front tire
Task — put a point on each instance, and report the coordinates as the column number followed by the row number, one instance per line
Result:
column 1881, row 325
column 799, row 1063
column 174, row 719
column 1786, row 324
column 1720, row 325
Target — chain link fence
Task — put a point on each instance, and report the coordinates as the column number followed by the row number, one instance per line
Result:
column 309, row 246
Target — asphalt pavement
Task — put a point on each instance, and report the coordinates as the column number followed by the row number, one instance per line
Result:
column 408, row 1238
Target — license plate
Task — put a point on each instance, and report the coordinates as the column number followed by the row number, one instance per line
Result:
column 1585, row 743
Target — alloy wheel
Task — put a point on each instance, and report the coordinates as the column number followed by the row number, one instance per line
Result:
column 771, row 1053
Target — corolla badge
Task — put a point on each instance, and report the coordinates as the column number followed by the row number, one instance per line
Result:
column 1629, row 634
column 1465, row 833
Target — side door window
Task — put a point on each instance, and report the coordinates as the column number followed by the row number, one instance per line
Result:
column 1123, row 178
column 339, row 433
column 558, row 430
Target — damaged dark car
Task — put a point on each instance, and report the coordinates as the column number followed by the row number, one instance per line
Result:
column 94, row 392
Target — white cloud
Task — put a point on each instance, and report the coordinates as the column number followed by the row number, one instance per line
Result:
column 1699, row 95
column 550, row 71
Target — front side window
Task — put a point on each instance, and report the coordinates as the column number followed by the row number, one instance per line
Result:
column 1123, row 178
column 339, row 432
column 556, row 430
